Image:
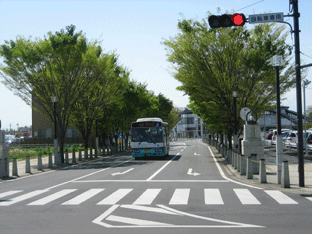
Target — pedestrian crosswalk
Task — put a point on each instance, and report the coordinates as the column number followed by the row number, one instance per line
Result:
column 180, row 196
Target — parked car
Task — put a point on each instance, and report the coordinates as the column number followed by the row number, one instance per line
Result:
column 284, row 131
column 292, row 138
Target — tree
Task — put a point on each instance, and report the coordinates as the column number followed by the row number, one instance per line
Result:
column 38, row 70
column 106, row 86
column 212, row 63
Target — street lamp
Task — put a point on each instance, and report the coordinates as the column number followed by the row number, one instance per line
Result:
column 235, row 122
column 277, row 62
column 57, row 159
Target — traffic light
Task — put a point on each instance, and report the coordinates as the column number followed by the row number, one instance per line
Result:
column 219, row 21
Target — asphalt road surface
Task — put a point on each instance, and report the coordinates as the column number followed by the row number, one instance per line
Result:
column 184, row 193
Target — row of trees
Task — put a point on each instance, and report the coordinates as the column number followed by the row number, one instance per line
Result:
column 212, row 63
column 94, row 93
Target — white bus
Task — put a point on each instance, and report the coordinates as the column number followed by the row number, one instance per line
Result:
column 149, row 138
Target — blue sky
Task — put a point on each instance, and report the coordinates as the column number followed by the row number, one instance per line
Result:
column 134, row 30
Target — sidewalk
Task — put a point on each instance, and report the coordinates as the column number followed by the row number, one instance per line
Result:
column 21, row 164
column 270, row 158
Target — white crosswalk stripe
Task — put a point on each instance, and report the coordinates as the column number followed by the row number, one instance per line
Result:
column 280, row 197
column 22, row 197
column 9, row 193
column 54, row 196
column 180, row 196
column 147, row 197
column 246, row 197
column 213, row 197
column 115, row 197
column 83, row 197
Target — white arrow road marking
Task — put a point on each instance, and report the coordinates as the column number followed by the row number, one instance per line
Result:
column 189, row 172
column 121, row 173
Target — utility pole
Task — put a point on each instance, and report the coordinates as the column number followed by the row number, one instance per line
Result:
column 298, row 88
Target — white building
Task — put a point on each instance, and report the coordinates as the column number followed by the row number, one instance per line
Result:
column 189, row 126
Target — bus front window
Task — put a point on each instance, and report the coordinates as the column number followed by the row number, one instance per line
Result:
column 152, row 135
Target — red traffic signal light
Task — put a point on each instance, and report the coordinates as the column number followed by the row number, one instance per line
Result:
column 219, row 21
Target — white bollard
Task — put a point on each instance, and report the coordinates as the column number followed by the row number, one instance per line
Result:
column 262, row 177
column 14, row 169
column 27, row 168
column 80, row 155
column 74, row 156
column 242, row 165
column 249, row 168
column 66, row 157
column 50, row 160
column 39, row 162
column 285, row 183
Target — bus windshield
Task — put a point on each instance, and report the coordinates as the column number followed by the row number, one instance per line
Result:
column 152, row 134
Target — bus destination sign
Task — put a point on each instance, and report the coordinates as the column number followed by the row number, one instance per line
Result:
column 146, row 124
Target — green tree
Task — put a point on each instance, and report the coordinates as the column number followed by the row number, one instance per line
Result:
column 212, row 63
column 38, row 70
column 107, row 85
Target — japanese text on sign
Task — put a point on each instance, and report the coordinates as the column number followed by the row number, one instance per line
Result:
column 265, row 18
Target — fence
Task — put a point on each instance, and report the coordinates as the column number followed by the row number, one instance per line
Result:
column 40, row 163
column 247, row 166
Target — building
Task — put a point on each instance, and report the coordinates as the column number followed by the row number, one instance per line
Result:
column 43, row 128
column 189, row 126
column 268, row 121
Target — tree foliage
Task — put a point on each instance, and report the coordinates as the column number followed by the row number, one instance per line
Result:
column 212, row 63
column 94, row 93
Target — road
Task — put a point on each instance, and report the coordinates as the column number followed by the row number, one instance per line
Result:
column 186, row 192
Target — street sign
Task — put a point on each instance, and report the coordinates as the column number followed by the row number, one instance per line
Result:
column 243, row 112
column 265, row 18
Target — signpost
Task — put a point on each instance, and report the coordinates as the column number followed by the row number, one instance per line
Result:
column 265, row 18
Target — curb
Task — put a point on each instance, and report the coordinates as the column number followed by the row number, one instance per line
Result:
column 60, row 167
column 233, row 174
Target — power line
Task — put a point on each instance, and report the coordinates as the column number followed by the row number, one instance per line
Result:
column 249, row 5
column 305, row 54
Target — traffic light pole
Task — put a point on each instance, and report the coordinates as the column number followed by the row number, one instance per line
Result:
column 298, row 88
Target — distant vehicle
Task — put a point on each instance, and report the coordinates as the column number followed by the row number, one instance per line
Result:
column 292, row 138
column 149, row 138
column 11, row 140
column 275, row 134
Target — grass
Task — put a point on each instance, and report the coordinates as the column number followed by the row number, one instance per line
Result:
column 21, row 153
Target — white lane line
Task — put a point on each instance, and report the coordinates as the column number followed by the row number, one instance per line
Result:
column 309, row 198
column 51, row 198
column 147, row 197
column 75, row 180
column 280, row 197
column 222, row 173
column 213, row 197
column 246, row 197
column 115, row 197
column 9, row 193
column 22, row 197
column 180, row 197
column 83, row 197
column 153, row 181
column 159, row 170
column 132, row 221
